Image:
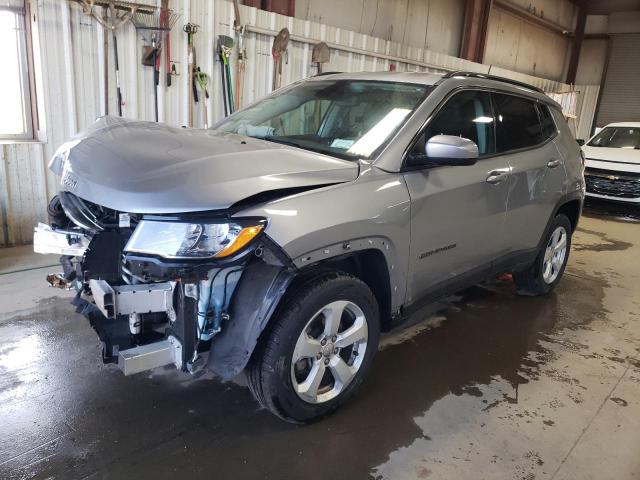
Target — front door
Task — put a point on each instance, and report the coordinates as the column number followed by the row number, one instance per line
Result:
column 458, row 213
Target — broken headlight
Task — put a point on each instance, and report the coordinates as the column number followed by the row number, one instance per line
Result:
column 191, row 240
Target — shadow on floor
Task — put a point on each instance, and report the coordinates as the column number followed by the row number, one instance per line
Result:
column 66, row 415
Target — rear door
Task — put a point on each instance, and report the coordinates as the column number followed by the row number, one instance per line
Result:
column 457, row 212
column 525, row 133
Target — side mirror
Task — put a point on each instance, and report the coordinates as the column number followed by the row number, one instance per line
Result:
column 451, row 150
column 580, row 141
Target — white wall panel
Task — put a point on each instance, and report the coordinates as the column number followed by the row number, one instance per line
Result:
column 593, row 55
column 516, row 44
column 72, row 90
column 587, row 101
column 431, row 24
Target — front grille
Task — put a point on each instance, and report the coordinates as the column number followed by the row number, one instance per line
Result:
column 90, row 216
column 603, row 182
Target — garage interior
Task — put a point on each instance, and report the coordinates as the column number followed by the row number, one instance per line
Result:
column 483, row 384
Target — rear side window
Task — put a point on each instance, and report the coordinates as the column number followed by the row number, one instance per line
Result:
column 549, row 128
column 518, row 122
column 467, row 114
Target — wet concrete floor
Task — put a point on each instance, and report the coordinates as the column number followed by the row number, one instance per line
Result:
column 487, row 385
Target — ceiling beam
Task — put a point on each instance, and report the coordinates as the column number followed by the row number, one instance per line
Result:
column 474, row 32
column 527, row 16
column 576, row 45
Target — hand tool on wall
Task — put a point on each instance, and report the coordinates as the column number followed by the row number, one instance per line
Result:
column 114, row 14
column 194, row 82
column 159, row 23
column 168, row 67
column 320, row 54
column 150, row 58
column 225, row 47
column 242, row 55
column 278, row 50
column 202, row 79
column 190, row 29
column 117, row 65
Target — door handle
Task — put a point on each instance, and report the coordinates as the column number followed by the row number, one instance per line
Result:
column 553, row 163
column 497, row 176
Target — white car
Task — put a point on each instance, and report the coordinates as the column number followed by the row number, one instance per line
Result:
column 613, row 163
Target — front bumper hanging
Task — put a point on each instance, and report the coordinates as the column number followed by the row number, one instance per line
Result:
column 148, row 313
column 59, row 242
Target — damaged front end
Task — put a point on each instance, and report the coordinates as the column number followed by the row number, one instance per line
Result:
column 162, row 289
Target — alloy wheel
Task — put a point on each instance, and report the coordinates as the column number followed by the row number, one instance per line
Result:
column 554, row 255
column 329, row 352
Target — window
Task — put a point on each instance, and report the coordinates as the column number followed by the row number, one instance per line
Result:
column 469, row 115
column 518, row 123
column 346, row 118
column 549, row 128
column 617, row 137
column 16, row 119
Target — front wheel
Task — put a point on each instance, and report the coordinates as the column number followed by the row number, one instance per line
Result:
column 547, row 270
column 317, row 349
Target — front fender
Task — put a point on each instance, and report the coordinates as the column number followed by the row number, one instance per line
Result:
column 372, row 212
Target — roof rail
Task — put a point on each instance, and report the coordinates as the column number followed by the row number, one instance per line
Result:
column 492, row 77
column 326, row 73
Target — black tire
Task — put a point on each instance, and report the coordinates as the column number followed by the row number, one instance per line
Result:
column 531, row 281
column 269, row 372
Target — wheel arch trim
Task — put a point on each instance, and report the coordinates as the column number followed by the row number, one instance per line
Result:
column 262, row 288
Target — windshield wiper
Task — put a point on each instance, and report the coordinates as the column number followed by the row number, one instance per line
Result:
column 282, row 141
column 323, row 151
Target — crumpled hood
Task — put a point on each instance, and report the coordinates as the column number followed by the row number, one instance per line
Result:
column 146, row 167
column 616, row 159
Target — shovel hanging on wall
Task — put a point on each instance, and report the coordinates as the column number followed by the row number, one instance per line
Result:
column 278, row 51
column 320, row 54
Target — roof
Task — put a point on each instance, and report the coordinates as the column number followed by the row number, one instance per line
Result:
column 423, row 78
column 624, row 124
column 459, row 78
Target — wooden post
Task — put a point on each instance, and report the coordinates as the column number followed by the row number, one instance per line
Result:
column 576, row 45
column 474, row 33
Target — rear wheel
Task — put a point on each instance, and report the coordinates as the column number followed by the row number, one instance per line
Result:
column 547, row 270
column 318, row 348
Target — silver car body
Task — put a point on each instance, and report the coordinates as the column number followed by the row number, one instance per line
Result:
column 436, row 228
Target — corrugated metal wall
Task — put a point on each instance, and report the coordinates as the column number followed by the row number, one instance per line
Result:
column 621, row 93
column 71, row 49
column 587, row 102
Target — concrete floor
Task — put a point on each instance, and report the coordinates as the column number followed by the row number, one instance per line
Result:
column 490, row 386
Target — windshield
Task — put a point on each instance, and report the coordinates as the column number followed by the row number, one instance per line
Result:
column 617, row 137
column 344, row 118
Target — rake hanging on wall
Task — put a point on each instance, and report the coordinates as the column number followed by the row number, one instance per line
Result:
column 111, row 14
column 159, row 23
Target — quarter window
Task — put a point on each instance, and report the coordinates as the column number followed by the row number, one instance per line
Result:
column 549, row 128
column 468, row 114
column 518, row 122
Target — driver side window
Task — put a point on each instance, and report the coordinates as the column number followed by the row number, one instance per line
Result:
column 468, row 114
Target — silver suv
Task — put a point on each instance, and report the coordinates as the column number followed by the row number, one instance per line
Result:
column 282, row 241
